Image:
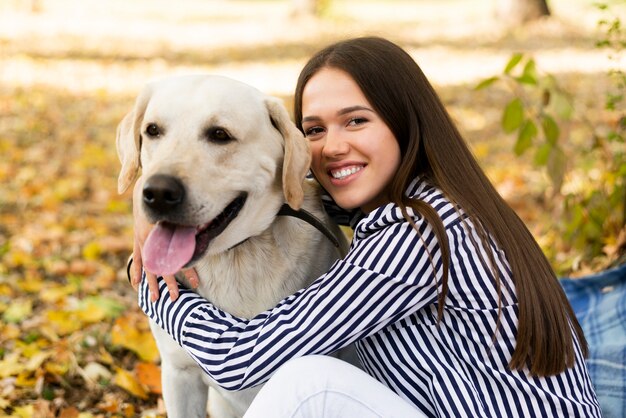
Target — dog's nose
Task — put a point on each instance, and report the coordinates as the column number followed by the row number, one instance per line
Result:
column 163, row 193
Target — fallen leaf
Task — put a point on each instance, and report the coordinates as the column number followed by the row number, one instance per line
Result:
column 126, row 334
column 56, row 293
column 9, row 332
column 18, row 310
column 25, row 379
column 70, row 412
column 109, row 403
column 129, row 410
column 42, row 409
column 96, row 308
column 11, row 365
column 92, row 251
column 94, row 372
column 27, row 411
column 37, row 360
column 149, row 375
column 128, row 382
column 63, row 322
column 5, row 290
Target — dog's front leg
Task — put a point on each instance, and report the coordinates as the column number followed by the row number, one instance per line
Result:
column 184, row 391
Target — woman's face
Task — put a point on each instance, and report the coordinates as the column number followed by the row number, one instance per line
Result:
column 355, row 154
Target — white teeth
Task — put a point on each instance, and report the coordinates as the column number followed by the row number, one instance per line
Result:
column 341, row 174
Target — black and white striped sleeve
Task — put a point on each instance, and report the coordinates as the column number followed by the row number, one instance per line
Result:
column 387, row 275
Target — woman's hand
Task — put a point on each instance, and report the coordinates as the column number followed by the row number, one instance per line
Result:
column 142, row 229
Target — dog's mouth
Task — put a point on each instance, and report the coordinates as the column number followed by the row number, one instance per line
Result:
column 170, row 247
column 207, row 232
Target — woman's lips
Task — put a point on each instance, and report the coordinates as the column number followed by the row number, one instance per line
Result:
column 344, row 174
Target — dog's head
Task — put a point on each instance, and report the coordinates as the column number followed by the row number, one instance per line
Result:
column 216, row 155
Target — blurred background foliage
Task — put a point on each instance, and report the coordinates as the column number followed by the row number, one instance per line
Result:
column 536, row 88
column 586, row 163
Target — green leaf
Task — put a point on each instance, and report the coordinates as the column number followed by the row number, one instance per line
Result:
column 550, row 129
column 577, row 217
column 529, row 74
column 486, row 83
column 513, row 115
column 562, row 105
column 592, row 230
column 612, row 100
column 556, row 167
column 526, row 79
column 542, row 154
column 513, row 61
column 527, row 133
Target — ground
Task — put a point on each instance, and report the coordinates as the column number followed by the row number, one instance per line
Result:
column 72, row 342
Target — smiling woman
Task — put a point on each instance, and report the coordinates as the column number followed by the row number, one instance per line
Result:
column 453, row 307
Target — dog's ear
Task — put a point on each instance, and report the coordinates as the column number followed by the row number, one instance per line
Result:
column 129, row 142
column 297, row 157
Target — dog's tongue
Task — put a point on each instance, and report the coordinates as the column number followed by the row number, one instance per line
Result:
column 168, row 248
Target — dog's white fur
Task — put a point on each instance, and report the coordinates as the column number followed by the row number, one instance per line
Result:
column 268, row 159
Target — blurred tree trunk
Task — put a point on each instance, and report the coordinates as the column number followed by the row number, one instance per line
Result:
column 516, row 12
column 309, row 7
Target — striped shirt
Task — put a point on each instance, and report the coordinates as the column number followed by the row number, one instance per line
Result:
column 383, row 296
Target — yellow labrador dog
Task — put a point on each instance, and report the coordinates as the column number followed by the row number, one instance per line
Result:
column 219, row 159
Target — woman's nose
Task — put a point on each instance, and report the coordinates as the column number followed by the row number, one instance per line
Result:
column 335, row 144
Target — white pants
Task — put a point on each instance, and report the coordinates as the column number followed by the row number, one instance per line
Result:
column 325, row 387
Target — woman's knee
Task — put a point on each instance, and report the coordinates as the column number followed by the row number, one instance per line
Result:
column 292, row 385
column 309, row 367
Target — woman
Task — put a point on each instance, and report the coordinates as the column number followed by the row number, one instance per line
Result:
column 450, row 300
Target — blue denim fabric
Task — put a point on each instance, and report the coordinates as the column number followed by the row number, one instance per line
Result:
column 599, row 302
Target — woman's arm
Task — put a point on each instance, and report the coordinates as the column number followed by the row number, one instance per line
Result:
column 387, row 275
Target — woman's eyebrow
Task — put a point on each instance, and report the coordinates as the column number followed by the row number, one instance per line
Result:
column 310, row 119
column 341, row 112
column 350, row 109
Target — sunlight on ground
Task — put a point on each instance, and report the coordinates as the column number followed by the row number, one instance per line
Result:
column 119, row 45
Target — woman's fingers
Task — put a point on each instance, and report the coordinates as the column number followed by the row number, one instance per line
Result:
column 170, row 281
column 153, row 286
column 172, row 285
column 136, row 267
column 192, row 276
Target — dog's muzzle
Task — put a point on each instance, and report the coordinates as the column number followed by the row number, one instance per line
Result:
column 163, row 194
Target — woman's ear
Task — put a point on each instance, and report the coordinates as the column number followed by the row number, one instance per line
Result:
column 297, row 157
column 128, row 142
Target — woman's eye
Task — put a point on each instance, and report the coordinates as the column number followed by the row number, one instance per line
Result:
column 218, row 135
column 356, row 121
column 313, row 131
column 153, row 130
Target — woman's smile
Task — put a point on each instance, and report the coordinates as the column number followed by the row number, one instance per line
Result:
column 344, row 174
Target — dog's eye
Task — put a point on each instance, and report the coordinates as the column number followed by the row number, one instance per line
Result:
column 218, row 135
column 153, row 130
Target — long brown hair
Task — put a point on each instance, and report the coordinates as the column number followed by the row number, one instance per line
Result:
column 431, row 146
